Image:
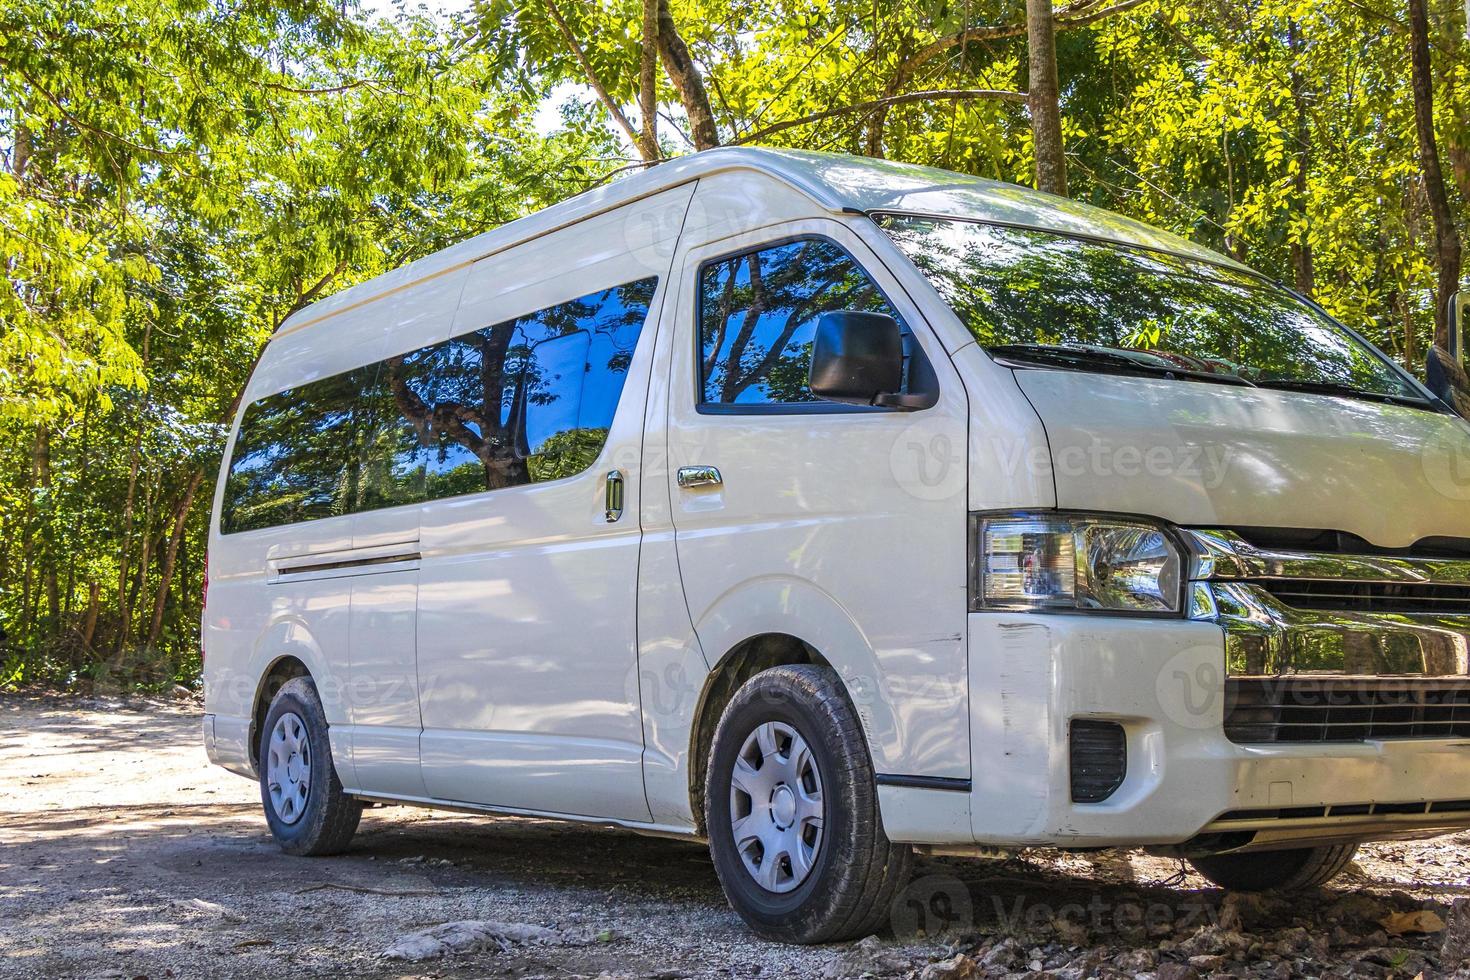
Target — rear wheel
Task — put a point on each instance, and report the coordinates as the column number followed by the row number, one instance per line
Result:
column 304, row 804
column 1262, row 871
column 792, row 812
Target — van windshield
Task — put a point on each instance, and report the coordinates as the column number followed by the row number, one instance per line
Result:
column 1035, row 298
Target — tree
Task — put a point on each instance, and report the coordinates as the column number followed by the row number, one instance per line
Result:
column 1446, row 237
column 1044, row 99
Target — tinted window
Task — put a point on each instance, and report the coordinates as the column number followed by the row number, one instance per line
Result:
column 521, row 401
column 1077, row 303
column 758, row 313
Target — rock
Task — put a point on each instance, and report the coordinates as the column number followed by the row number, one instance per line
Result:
column 1209, row 963
column 1421, row 921
column 1298, row 941
column 869, row 956
column 1214, row 940
column 1069, row 932
column 1454, row 948
column 1136, row 961
column 1169, row 970
column 957, row 967
column 476, row 935
column 181, row 693
column 1239, row 910
column 1006, row 955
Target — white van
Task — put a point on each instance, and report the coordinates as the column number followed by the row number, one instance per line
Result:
column 828, row 509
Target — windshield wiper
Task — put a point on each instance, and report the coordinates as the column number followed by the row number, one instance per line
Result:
column 1058, row 355
column 1340, row 389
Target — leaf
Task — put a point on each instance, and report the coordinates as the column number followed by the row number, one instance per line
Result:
column 1422, row 921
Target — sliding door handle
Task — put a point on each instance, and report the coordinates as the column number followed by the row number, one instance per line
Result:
column 614, row 495
column 691, row 477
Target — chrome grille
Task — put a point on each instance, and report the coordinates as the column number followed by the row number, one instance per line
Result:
column 1384, row 597
column 1345, row 709
column 1399, row 614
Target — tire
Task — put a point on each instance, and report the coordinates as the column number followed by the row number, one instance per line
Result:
column 1281, row 871
column 835, row 877
column 307, row 811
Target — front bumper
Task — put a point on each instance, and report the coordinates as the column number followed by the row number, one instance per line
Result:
column 1164, row 682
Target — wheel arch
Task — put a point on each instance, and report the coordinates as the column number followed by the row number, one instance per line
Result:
column 747, row 658
column 280, row 670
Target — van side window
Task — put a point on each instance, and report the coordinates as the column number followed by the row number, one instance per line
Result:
column 758, row 313
column 520, row 401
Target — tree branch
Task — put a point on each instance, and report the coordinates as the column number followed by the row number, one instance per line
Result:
column 648, row 82
column 933, row 95
column 607, row 100
column 684, row 73
column 1072, row 15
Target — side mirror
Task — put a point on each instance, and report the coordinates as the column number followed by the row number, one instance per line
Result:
column 857, row 358
column 1444, row 370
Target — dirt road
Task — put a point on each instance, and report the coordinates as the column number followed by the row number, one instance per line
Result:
column 124, row 854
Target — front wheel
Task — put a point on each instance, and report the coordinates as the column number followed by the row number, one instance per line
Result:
column 1283, row 871
column 791, row 808
column 304, row 804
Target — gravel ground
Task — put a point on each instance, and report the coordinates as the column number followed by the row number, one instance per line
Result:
column 124, row 854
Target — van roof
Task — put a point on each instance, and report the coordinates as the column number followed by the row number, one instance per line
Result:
column 834, row 181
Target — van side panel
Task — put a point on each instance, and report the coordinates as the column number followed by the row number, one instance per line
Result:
column 845, row 529
column 254, row 615
column 528, row 667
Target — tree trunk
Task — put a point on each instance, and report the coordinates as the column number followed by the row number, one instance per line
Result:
column 1044, row 98
column 1302, row 264
column 648, row 83
column 89, row 622
column 684, row 73
column 127, row 529
column 1446, row 238
column 171, row 555
column 20, row 156
column 42, row 460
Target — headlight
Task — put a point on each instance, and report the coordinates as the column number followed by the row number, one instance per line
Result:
column 1061, row 561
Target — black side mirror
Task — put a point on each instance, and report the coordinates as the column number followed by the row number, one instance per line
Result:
column 1444, row 370
column 1444, row 376
column 857, row 358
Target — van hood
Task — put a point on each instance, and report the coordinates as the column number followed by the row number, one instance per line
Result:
column 1207, row 455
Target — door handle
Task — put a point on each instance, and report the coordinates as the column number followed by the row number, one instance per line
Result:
column 691, row 477
column 614, row 495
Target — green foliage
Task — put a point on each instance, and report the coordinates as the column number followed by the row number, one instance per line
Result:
column 180, row 176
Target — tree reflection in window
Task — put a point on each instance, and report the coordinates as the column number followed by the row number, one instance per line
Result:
column 1015, row 286
column 758, row 313
column 521, row 401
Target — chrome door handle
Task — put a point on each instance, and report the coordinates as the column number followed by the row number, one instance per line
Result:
column 614, row 495
column 691, row 477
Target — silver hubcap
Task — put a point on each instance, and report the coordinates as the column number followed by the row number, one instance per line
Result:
column 776, row 807
column 288, row 768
